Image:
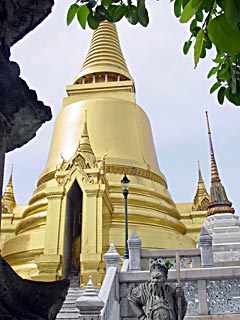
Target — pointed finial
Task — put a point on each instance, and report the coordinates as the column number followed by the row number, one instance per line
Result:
column 209, row 135
column 209, row 131
column 214, row 170
column 90, row 290
column 199, row 172
column 11, row 176
column 8, row 198
column 112, row 248
column 84, row 143
column 219, row 202
column 201, row 199
column 89, row 304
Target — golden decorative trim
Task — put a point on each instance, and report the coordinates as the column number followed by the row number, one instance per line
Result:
column 143, row 173
column 117, row 169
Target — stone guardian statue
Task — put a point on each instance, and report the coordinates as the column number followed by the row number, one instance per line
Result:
column 157, row 300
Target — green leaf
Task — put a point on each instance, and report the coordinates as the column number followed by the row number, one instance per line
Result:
column 234, row 84
column 221, row 95
column 144, row 20
column 91, row 4
column 207, row 6
column 232, row 11
column 103, row 12
column 107, row 3
column 234, row 98
column 82, row 15
column 223, row 73
column 199, row 16
column 193, row 25
column 215, row 87
column 187, row 46
column 184, row 3
column 131, row 14
column 223, row 35
column 190, row 9
column 71, row 13
column 219, row 58
column 93, row 21
column 208, row 44
column 111, row 9
column 177, row 8
column 119, row 13
column 195, row 31
column 140, row 8
column 203, row 53
column 213, row 71
column 198, row 47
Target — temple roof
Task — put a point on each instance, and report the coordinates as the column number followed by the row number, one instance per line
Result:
column 219, row 202
column 104, row 57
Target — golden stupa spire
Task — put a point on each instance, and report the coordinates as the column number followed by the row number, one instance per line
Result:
column 104, row 61
column 219, row 202
column 201, row 199
column 8, row 199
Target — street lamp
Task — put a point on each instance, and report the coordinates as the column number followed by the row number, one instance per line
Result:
column 125, row 184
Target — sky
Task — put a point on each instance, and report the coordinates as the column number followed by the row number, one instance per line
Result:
column 174, row 95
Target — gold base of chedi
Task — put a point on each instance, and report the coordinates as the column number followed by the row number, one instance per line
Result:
column 77, row 209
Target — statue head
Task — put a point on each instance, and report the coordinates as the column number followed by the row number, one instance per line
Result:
column 158, row 272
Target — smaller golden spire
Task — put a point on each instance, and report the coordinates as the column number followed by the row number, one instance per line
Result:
column 201, row 199
column 219, row 202
column 8, row 199
column 84, row 144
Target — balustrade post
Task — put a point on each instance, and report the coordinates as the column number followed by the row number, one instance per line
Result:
column 205, row 245
column 112, row 257
column 89, row 304
column 134, row 245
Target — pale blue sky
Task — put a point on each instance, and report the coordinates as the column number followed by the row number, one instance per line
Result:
column 173, row 94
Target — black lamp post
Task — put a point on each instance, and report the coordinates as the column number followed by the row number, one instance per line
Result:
column 125, row 184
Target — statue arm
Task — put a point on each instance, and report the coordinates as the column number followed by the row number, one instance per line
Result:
column 135, row 299
column 137, row 310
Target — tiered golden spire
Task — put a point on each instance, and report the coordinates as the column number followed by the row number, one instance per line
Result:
column 219, row 202
column 104, row 61
column 201, row 199
column 8, row 199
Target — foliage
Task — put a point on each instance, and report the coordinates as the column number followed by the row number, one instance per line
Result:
column 168, row 264
column 93, row 12
column 212, row 24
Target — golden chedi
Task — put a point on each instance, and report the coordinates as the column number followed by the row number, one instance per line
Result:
column 77, row 209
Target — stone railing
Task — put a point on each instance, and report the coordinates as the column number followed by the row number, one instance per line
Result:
column 105, row 305
column 189, row 258
column 209, row 291
column 109, row 294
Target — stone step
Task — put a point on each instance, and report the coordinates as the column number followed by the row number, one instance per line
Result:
column 69, row 310
column 67, row 316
